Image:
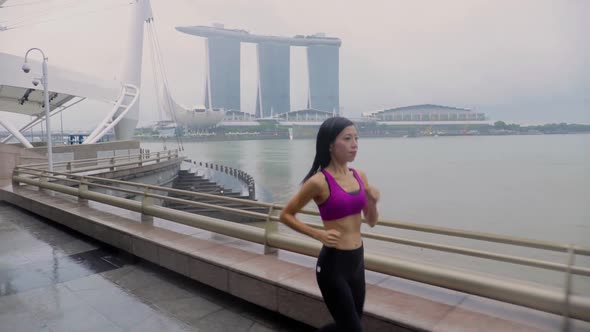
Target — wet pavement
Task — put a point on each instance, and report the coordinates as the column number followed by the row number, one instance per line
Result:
column 54, row 279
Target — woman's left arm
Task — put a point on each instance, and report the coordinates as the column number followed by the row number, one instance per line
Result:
column 370, row 211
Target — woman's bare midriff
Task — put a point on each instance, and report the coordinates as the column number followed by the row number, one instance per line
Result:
column 350, row 231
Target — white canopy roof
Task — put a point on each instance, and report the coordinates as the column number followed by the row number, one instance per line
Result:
column 19, row 95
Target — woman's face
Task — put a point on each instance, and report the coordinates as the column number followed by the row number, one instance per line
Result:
column 345, row 145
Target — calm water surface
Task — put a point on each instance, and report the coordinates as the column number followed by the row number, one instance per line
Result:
column 527, row 186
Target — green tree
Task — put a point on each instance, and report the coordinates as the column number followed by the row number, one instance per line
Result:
column 500, row 125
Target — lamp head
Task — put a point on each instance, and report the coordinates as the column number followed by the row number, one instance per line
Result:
column 26, row 68
column 36, row 81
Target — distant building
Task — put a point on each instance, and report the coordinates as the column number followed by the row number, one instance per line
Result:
column 235, row 115
column 238, row 118
column 305, row 115
column 273, row 90
column 424, row 113
column 323, row 68
column 223, row 73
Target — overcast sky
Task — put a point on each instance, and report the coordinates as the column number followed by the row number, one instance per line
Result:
column 524, row 61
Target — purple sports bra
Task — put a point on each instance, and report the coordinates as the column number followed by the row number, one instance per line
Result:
column 340, row 203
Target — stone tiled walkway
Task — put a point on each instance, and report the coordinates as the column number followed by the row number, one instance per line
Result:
column 53, row 279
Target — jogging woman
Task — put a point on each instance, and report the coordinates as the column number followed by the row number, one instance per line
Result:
column 342, row 194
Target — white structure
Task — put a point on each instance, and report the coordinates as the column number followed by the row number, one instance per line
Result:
column 192, row 117
column 426, row 113
column 19, row 95
column 124, row 115
column 131, row 75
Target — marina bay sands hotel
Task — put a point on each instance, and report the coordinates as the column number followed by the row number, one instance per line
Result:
column 274, row 84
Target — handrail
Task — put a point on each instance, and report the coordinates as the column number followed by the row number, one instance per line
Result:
column 546, row 245
column 139, row 156
column 520, row 293
column 80, row 161
column 550, row 300
column 158, row 157
column 399, row 240
column 83, row 161
column 31, row 171
column 481, row 254
column 485, row 236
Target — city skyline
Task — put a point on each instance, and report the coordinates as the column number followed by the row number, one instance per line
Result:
column 525, row 62
column 273, row 59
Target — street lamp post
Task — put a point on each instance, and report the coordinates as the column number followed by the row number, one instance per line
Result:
column 26, row 68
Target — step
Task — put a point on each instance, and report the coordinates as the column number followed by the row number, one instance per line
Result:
column 193, row 182
column 216, row 189
column 199, row 186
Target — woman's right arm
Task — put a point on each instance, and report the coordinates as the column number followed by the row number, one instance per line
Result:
column 310, row 189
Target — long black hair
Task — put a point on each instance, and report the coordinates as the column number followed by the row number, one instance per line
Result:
column 327, row 134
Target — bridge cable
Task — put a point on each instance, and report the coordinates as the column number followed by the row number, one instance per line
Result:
column 168, row 97
column 161, row 106
column 161, row 68
column 155, row 74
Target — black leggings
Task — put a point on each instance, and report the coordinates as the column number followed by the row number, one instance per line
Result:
column 341, row 277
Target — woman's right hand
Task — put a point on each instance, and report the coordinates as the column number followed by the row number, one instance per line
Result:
column 330, row 237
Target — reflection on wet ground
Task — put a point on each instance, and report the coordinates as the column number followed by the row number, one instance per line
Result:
column 53, row 279
column 60, row 269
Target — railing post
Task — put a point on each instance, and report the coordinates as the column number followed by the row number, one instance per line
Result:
column 82, row 189
column 565, row 323
column 169, row 154
column 42, row 178
column 15, row 173
column 69, row 166
column 113, row 164
column 251, row 190
column 270, row 228
column 158, row 155
column 146, row 201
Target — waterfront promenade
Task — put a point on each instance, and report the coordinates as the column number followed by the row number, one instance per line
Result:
column 54, row 279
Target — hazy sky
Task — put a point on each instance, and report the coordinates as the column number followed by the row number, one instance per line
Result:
column 524, row 61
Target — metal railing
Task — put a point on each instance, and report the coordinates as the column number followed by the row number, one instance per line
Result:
column 111, row 163
column 553, row 300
